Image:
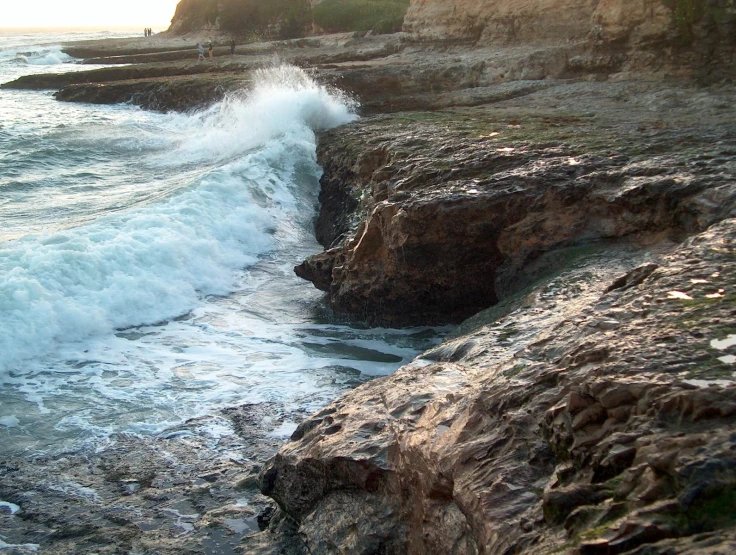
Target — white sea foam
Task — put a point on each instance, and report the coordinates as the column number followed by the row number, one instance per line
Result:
column 284, row 430
column 152, row 264
column 147, row 216
column 9, row 421
column 52, row 56
column 39, row 56
column 12, row 508
column 19, row 548
column 283, row 101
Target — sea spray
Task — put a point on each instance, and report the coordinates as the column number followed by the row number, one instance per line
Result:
column 45, row 56
column 283, row 100
column 113, row 216
column 50, row 57
column 149, row 264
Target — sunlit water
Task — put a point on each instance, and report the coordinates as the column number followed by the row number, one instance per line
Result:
column 146, row 260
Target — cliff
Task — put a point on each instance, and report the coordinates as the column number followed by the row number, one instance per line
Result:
column 503, row 21
column 276, row 19
column 620, row 35
column 558, row 178
column 287, row 18
column 590, row 409
column 584, row 229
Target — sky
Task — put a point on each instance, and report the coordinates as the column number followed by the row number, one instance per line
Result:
column 87, row 13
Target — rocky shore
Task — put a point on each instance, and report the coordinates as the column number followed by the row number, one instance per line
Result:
column 561, row 184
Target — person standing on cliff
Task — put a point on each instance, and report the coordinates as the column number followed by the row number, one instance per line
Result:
column 232, row 47
column 211, row 51
column 200, row 48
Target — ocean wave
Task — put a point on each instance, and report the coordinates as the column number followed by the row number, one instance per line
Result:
column 153, row 263
column 284, row 100
column 43, row 56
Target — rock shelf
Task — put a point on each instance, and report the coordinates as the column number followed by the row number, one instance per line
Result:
column 557, row 179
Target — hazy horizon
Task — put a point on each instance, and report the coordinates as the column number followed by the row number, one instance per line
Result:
column 87, row 14
column 82, row 28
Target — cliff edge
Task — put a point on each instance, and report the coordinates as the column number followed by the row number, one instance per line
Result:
column 621, row 34
column 573, row 203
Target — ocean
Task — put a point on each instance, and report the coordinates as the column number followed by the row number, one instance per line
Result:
column 146, row 260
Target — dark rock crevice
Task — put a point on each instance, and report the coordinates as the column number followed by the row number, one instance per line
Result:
column 431, row 218
column 605, row 426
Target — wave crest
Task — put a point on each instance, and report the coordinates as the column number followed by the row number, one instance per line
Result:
column 150, row 264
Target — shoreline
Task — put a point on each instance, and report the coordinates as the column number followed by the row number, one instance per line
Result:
column 554, row 212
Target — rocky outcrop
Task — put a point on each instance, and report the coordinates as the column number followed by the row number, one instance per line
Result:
column 502, row 21
column 588, row 404
column 592, row 408
column 160, row 94
column 453, row 206
column 174, row 493
column 596, row 415
column 191, row 15
column 122, row 73
column 278, row 18
column 619, row 35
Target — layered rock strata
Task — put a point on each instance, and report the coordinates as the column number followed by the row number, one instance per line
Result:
column 528, row 21
column 592, row 408
column 597, row 414
column 618, row 36
column 454, row 205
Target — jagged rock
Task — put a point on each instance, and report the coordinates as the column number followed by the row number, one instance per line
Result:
column 619, row 34
column 503, row 451
column 456, row 207
column 170, row 494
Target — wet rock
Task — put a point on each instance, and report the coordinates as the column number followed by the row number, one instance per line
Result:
column 634, row 277
column 160, row 94
column 502, row 451
column 170, row 494
column 483, row 199
column 557, row 504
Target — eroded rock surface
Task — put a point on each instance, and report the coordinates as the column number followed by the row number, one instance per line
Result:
column 453, row 205
column 616, row 35
column 591, row 409
column 189, row 490
column 597, row 414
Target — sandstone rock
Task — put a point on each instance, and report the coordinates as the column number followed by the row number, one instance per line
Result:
column 482, row 455
column 479, row 205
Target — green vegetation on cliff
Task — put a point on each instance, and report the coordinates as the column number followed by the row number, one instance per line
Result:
column 289, row 18
column 275, row 18
column 381, row 16
column 195, row 14
column 283, row 18
column 689, row 15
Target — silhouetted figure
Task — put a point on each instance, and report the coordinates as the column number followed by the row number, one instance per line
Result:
column 232, row 47
column 211, row 51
